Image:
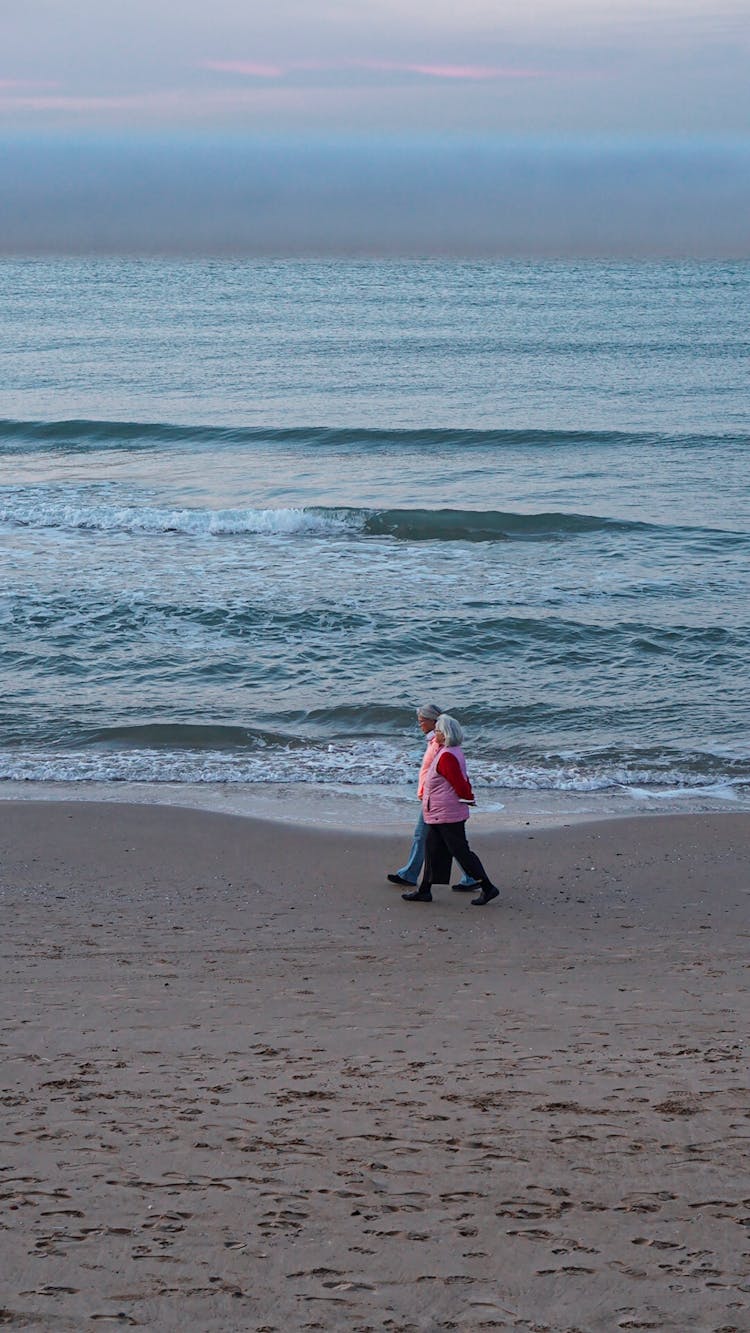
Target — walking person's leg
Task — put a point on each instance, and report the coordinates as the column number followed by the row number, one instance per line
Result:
column 454, row 837
column 433, row 848
column 409, row 874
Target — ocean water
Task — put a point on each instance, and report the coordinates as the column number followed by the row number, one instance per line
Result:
column 251, row 514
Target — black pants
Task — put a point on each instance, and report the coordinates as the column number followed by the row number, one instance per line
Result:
column 446, row 842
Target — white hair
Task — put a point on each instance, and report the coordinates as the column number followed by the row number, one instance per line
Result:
column 450, row 729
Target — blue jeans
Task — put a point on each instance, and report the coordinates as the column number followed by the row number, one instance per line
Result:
column 416, row 856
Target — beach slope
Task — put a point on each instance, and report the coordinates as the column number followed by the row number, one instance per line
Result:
column 245, row 1086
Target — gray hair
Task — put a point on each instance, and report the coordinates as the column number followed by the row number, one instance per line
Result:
column 450, row 729
column 430, row 712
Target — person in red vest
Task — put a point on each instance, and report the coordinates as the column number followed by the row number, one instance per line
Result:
column 408, row 875
column 446, row 797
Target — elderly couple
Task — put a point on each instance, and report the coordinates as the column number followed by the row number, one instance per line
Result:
column 445, row 792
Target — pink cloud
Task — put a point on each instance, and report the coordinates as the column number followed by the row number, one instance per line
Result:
column 450, row 71
column 255, row 69
column 249, row 67
column 184, row 104
column 65, row 102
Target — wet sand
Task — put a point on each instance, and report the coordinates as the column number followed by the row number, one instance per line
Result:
column 245, row 1086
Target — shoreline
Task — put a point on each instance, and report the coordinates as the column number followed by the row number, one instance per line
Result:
column 246, row 1086
column 388, row 809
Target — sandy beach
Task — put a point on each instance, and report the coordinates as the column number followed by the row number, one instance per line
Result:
column 245, row 1086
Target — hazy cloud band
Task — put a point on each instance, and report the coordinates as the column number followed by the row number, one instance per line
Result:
column 374, row 197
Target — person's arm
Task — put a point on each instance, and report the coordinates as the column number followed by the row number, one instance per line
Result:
column 449, row 768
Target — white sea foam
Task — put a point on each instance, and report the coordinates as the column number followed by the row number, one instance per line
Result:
column 714, row 791
column 357, row 764
column 287, row 522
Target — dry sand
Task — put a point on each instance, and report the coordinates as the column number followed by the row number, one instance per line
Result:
column 245, row 1086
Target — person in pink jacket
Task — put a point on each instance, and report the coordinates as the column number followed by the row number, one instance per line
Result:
column 446, row 797
column 408, row 875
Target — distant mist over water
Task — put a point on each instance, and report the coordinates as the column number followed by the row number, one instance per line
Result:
column 432, row 197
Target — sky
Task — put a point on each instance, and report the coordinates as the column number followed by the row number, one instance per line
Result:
column 567, row 107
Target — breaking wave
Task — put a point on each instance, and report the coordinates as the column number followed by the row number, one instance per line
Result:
column 410, row 525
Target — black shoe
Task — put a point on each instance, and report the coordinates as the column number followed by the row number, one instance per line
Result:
column 419, row 896
column 399, row 879
column 471, row 887
column 486, row 896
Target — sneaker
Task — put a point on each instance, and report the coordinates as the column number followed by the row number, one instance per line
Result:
column 486, row 896
column 399, row 879
column 419, row 896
